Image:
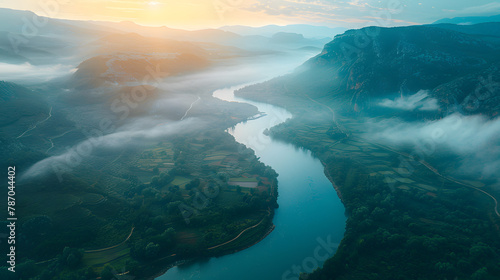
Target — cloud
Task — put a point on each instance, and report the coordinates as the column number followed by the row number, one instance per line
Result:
column 27, row 72
column 136, row 134
column 151, row 124
column 490, row 8
column 419, row 101
column 475, row 139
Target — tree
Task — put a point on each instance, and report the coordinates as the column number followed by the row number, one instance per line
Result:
column 193, row 184
column 107, row 273
column 480, row 274
column 26, row 269
column 168, row 237
column 71, row 257
column 152, row 250
column 173, row 207
column 480, row 251
column 155, row 181
column 133, row 267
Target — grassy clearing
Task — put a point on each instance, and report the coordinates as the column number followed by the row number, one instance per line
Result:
column 427, row 187
column 389, row 180
column 214, row 158
column 405, row 180
column 402, row 171
column 180, row 181
column 101, row 258
column 351, row 148
column 242, row 179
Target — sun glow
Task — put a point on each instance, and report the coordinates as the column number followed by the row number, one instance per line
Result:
column 186, row 14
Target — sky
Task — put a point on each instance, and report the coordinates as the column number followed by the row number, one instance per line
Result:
column 195, row 14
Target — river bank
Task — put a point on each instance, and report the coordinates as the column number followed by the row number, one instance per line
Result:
column 191, row 261
column 304, row 192
column 400, row 224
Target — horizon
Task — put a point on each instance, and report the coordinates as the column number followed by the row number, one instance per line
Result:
column 259, row 139
column 257, row 13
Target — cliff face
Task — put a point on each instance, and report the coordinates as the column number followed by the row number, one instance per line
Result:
column 454, row 63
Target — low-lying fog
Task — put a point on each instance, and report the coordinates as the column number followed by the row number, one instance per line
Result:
column 126, row 129
column 475, row 139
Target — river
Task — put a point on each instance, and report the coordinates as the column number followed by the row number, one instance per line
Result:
column 310, row 220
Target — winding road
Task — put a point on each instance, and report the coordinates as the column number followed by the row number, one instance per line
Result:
column 55, row 137
column 435, row 171
column 109, row 248
column 248, row 228
column 190, row 107
column 36, row 124
column 426, row 164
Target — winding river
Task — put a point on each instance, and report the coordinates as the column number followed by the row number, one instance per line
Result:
column 309, row 222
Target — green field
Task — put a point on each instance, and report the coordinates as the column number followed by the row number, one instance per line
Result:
column 242, row 179
column 99, row 259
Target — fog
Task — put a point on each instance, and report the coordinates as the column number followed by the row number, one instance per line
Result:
column 27, row 73
column 135, row 136
column 162, row 115
column 475, row 139
column 418, row 101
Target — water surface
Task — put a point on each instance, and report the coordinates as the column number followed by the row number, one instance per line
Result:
column 310, row 217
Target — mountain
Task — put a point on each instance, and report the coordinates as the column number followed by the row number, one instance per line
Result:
column 118, row 69
column 245, row 40
column 135, row 43
column 21, row 108
column 395, row 91
column 29, row 24
column 27, row 37
column 205, row 35
column 469, row 20
column 487, row 31
column 400, row 62
column 308, row 31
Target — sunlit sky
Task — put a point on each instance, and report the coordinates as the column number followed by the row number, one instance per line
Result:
column 192, row 14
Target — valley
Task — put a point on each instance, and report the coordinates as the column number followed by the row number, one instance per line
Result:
column 251, row 140
column 395, row 194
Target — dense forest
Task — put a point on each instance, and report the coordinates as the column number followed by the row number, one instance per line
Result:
column 173, row 203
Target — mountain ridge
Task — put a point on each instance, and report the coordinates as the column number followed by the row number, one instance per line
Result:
column 399, row 61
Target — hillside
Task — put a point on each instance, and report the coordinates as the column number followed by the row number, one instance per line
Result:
column 388, row 111
column 400, row 62
column 469, row 20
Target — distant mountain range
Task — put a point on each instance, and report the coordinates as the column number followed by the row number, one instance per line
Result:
column 469, row 20
column 452, row 62
column 28, row 38
column 308, row 31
